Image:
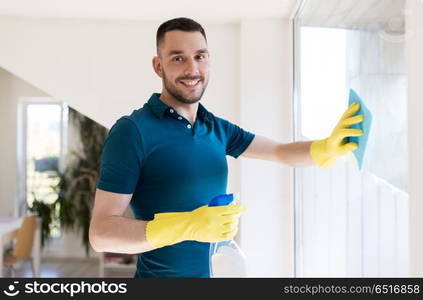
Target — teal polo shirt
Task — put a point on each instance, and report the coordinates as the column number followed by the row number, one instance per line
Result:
column 170, row 165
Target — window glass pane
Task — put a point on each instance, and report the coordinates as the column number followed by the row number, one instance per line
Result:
column 352, row 222
column 323, row 84
column 43, row 149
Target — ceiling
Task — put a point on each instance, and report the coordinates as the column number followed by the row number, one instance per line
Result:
column 355, row 14
column 154, row 10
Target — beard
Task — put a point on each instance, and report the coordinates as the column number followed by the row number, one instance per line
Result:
column 176, row 93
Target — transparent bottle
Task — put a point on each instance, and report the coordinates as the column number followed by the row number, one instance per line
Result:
column 226, row 258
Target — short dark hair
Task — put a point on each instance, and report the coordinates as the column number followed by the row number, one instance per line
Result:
column 183, row 24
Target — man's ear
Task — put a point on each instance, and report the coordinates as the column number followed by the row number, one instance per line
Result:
column 157, row 66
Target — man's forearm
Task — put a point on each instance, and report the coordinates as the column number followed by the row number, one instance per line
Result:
column 119, row 235
column 296, row 154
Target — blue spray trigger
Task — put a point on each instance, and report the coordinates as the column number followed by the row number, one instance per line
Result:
column 223, row 199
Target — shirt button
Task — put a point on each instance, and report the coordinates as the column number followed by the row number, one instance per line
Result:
column 189, row 126
column 171, row 111
column 179, row 118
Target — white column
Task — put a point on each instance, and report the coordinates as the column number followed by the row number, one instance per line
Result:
column 267, row 232
column 414, row 54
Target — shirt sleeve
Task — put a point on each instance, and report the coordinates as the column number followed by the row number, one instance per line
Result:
column 238, row 139
column 121, row 158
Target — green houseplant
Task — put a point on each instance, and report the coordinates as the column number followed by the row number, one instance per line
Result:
column 77, row 184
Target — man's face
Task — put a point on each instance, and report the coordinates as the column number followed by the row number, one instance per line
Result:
column 183, row 65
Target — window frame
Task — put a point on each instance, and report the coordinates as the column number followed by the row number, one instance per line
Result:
column 21, row 206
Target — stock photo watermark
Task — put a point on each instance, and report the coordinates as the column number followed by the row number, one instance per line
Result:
column 70, row 289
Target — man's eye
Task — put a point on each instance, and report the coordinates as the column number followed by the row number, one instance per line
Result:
column 177, row 58
column 201, row 56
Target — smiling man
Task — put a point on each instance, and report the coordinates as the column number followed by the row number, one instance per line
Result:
column 167, row 160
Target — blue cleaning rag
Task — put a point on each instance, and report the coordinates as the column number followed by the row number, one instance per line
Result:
column 365, row 126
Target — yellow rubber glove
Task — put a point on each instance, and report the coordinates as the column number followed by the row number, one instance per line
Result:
column 204, row 224
column 325, row 152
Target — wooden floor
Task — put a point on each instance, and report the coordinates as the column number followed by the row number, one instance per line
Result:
column 70, row 267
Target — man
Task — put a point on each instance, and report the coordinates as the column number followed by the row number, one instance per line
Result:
column 168, row 160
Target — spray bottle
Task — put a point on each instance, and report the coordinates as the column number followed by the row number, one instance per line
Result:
column 226, row 258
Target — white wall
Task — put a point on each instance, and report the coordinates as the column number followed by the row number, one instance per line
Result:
column 103, row 69
column 414, row 50
column 266, row 96
column 12, row 89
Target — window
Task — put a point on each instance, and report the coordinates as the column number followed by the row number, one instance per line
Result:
column 43, row 126
column 351, row 222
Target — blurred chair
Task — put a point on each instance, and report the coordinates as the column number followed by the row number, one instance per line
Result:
column 23, row 246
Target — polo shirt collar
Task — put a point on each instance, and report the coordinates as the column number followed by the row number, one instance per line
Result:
column 159, row 108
